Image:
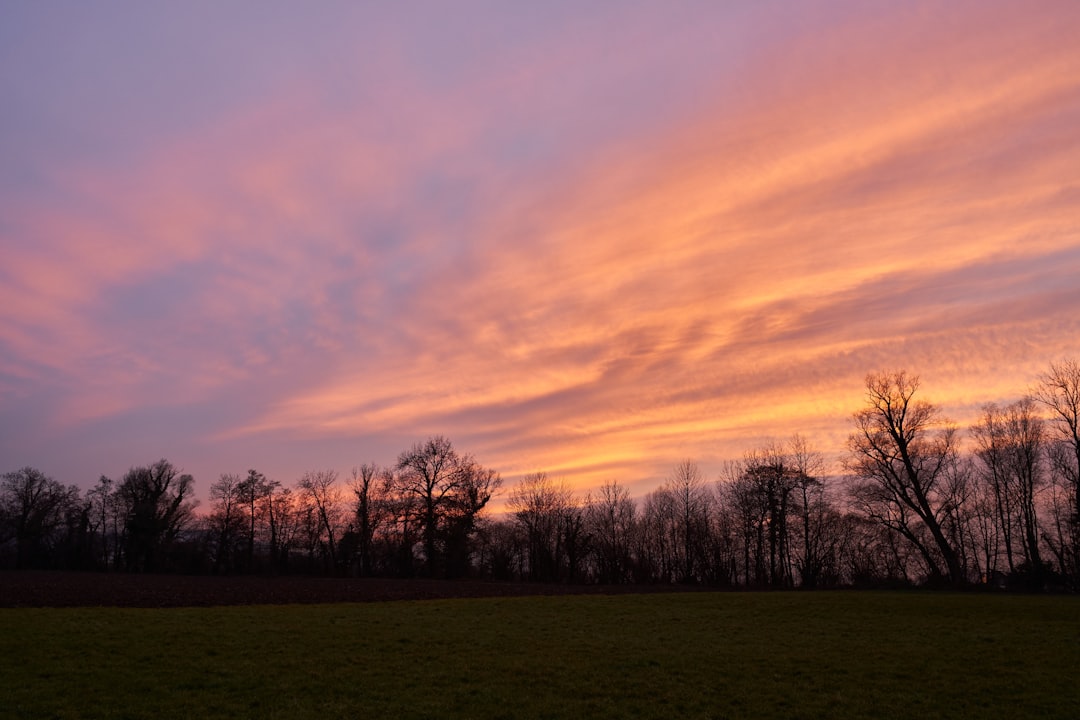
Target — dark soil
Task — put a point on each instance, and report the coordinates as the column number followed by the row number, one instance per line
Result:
column 75, row 589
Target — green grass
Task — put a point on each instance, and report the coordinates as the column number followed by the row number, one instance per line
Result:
column 679, row 655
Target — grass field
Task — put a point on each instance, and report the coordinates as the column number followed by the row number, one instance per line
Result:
column 680, row 655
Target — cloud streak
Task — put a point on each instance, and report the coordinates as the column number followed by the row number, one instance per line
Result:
column 562, row 254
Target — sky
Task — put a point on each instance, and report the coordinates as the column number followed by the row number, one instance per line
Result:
column 592, row 239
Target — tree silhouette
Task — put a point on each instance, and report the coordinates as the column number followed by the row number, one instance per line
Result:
column 1010, row 443
column 539, row 507
column 325, row 504
column 224, row 520
column 157, row 503
column 1059, row 390
column 370, row 487
column 902, row 453
column 33, row 507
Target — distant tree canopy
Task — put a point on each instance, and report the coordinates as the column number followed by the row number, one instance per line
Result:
column 913, row 507
column 33, row 509
column 156, row 504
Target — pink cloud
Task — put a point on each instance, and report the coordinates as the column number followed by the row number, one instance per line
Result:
column 897, row 190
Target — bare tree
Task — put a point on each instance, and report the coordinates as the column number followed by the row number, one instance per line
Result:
column 901, row 452
column 743, row 505
column 657, row 543
column 610, row 516
column 104, row 521
column 224, row 519
column 724, row 533
column 539, row 506
column 690, row 500
column 324, row 496
column 769, row 478
column 280, row 508
column 1010, row 445
column 33, row 507
column 575, row 539
column 370, row 488
column 158, row 504
column 475, row 487
column 814, row 510
column 501, row 552
column 429, row 471
column 401, row 531
column 1059, row 390
column 985, row 536
column 251, row 491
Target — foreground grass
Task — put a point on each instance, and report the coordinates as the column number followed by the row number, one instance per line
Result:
column 680, row 655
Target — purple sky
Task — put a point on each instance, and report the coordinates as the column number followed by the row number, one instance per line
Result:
column 592, row 239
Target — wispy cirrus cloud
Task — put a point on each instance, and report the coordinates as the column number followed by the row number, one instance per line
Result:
column 579, row 251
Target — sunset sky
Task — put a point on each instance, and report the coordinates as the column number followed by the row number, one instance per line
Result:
column 589, row 238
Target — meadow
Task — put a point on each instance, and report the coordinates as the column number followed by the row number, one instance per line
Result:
column 686, row 655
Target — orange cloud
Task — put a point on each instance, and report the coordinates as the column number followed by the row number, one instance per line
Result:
column 665, row 303
column 896, row 191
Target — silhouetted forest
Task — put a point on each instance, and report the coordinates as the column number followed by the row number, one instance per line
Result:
column 913, row 507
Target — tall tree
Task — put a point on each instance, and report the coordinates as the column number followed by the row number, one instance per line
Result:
column 539, row 507
column 475, row 487
column 656, row 547
column 815, row 512
column 250, row 492
column 1010, row 445
column 901, row 453
column 224, row 519
column 1059, row 390
column 430, row 472
column 769, row 477
column 33, row 506
column 610, row 517
column 742, row 505
column 691, row 507
column 158, row 503
column 321, row 491
column 280, row 508
column 103, row 518
column 370, row 487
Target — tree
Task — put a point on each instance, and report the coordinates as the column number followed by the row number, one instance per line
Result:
column 500, row 550
column 539, row 507
column 157, row 504
column 475, row 487
column 430, row 473
column 723, row 563
column 609, row 517
column 320, row 490
column 370, row 488
column 395, row 543
column 1059, row 390
column 441, row 493
column 813, row 509
column 280, row 507
column 690, row 504
column 105, row 520
column 575, row 539
column 33, row 507
column 250, row 491
column 656, row 547
column 901, row 453
column 1010, row 446
column 743, row 505
column 770, row 482
column 224, row 519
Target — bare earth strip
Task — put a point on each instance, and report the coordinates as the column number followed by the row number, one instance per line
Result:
column 72, row 589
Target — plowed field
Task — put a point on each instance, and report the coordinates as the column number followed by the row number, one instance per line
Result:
column 71, row 589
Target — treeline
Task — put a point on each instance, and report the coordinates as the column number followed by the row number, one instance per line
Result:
column 913, row 507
